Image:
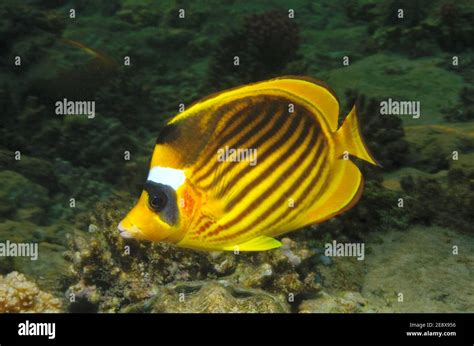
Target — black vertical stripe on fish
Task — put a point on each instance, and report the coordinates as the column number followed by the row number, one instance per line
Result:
column 300, row 138
column 285, row 218
column 260, row 104
column 312, row 194
column 266, row 119
column 204, row 173
column 324, row 185
column 298, row 184
column 276, row 126
column 274, row 166
column 289, row 146
column 267, row 154
column 236, row 119
column 268, row 192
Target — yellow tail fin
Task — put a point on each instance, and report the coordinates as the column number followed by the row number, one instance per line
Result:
column 349, row 139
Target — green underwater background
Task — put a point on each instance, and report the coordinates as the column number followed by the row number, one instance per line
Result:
column 419, row 256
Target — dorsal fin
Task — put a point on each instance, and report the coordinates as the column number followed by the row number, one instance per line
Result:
column 186, row 135
column 316, row 94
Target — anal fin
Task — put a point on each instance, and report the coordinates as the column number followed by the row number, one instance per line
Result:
column 260, row 243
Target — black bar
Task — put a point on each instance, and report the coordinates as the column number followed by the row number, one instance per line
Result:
column 291, row 329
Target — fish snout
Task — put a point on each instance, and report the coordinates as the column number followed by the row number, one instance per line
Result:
column 124, row 233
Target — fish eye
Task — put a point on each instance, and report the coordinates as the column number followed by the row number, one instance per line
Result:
column 157, row 201
column 162, row 200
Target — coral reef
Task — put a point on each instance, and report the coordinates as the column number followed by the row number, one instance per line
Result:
column 17, row 294
column 109, row 274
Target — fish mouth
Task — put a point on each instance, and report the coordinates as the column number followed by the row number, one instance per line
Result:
column 123, row 232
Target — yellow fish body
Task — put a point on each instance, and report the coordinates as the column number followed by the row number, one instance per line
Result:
column 243, row 166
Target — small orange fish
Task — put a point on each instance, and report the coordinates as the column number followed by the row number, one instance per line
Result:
column 243, row 166
column 104, row 59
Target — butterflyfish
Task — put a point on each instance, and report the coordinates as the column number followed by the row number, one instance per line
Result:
column 243, row 166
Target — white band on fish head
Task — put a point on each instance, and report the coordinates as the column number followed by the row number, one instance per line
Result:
column 167, row 176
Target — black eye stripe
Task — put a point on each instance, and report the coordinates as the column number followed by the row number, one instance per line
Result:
column 158, row 201
column 162, row 200
column 153, row 188
column 157, row 196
